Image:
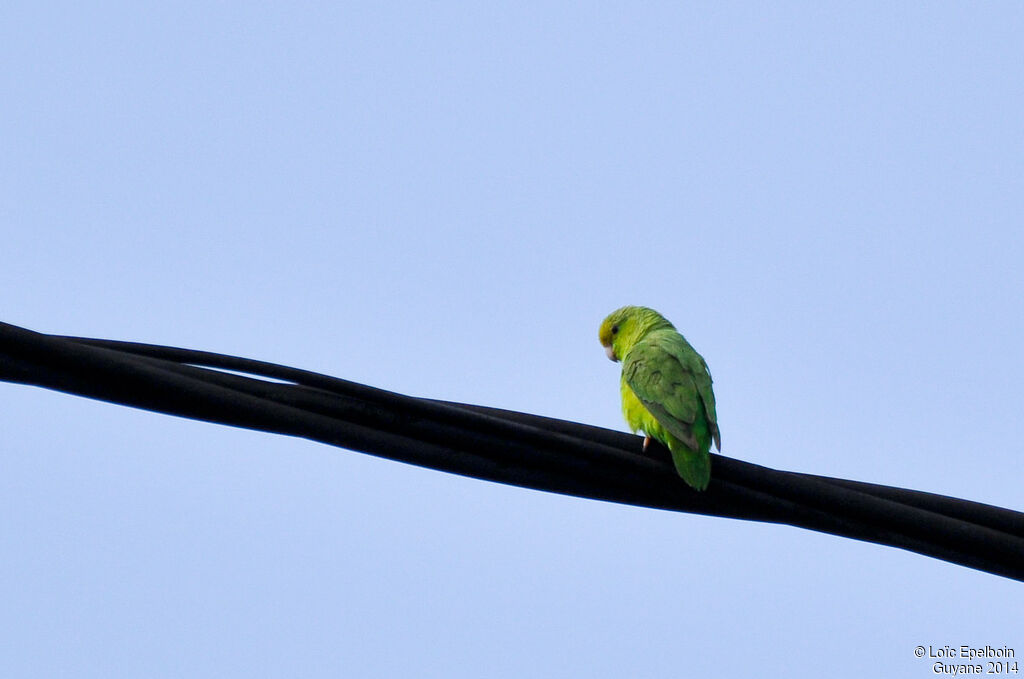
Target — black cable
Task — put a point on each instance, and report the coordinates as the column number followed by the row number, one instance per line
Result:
column 504, row 446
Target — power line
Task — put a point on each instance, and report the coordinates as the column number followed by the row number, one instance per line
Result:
column 504, row 446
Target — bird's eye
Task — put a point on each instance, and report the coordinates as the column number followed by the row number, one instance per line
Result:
column 615, row 329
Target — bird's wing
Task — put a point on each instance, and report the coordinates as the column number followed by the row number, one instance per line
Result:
column 661, row 375
column 702, row 378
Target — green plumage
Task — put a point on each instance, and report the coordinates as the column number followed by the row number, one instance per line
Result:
column 666, row 388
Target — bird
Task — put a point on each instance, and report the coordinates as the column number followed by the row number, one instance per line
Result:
column 665, row 387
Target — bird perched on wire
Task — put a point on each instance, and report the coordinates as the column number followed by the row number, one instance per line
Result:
column 666, row 388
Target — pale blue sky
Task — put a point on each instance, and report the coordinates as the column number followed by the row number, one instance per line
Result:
column 445, row 200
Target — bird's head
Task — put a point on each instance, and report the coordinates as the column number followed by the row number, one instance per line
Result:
column 624, row 327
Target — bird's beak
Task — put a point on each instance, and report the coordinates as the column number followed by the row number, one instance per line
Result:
column 610, row 353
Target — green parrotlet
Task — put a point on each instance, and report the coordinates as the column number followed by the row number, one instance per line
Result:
column 666, row 388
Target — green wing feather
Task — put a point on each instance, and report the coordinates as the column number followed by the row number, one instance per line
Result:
column 702, row 378
column 672, row 381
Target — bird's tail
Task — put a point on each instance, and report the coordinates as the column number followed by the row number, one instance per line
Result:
column 693, row 465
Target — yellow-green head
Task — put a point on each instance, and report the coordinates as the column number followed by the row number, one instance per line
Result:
column 626, row 326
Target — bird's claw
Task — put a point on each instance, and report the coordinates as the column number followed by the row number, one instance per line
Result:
column 647, row 442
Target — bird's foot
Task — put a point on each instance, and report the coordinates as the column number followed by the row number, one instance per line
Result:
column 647, row 442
